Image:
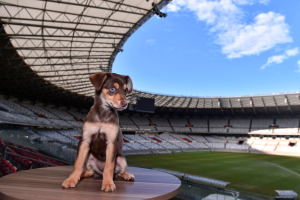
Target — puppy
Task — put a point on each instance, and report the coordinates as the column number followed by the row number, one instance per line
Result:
column 100, row 148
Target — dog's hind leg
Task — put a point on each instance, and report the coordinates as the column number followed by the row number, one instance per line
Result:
column 88, row 172
column 120, row 168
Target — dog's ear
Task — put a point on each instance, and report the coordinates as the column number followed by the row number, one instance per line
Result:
column 98, row 79
column 129, row 84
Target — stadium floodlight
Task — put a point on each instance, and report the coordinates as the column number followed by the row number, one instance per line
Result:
column 117, row 48
column 157, row 11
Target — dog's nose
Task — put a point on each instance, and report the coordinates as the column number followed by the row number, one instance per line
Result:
column 123, row 104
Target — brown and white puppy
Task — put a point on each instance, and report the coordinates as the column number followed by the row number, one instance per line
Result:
column 100, row 148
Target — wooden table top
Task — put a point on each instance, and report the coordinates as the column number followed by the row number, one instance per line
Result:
column 45, row 184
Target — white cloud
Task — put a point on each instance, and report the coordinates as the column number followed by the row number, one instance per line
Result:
column 173, row 7
column 268, row 30
column 292, row 52
column 264, row 1
column 250, row 2
column 150, row 42
column 236, row 37
column 280, row 58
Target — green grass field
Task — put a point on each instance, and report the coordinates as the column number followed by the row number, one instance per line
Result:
column 257, row 173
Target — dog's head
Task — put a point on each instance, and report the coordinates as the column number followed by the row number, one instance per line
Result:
column 112, row 89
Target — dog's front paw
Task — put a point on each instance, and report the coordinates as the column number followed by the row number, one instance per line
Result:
column 108, row 187
column 127, row 176
column 70, row 182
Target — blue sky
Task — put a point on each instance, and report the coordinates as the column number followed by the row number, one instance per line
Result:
column 216, row 48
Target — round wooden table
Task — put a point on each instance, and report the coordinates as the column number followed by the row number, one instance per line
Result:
column 45, row 184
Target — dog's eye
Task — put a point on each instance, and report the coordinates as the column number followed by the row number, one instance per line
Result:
column 126, row 90
column 112, row 89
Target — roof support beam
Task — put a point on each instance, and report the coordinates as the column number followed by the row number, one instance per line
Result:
column 57, row 57
column 187, row 107
column 174, row 103
column 242, row 107
column 265, row 106
column 103, row 36
column 123, row 7
column 34, row 38
column 196, row 107
column 58, row 28
column 127, row 24
column 231, row 107
column 158, row 99
column 289, row 105
column 165, row 104
column 276, row 106
column 221, row 108
column 63, row 13
column 179, row 107
column 253, row 107
column 67, row 63
column 162, row 101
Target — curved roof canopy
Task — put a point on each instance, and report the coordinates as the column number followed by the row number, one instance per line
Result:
column 63, row 42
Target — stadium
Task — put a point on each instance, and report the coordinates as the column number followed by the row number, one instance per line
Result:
column 235, row 147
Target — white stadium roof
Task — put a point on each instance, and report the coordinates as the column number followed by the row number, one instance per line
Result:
column 65, row 41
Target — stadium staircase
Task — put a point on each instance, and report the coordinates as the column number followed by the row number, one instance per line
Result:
column 152, row 122
column 134, row 122
column 225, row 145
column 170, row 124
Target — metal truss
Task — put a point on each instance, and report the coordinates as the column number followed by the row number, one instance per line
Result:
column 46, row 51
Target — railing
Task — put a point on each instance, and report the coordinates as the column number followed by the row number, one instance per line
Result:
column 202, row 191
column 28, row 158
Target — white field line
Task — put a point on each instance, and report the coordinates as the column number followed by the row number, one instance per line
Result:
column 284, row 168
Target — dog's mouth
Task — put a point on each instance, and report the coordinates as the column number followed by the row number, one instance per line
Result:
column 117, row 108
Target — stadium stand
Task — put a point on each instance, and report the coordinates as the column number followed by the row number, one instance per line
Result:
column 40, row 110
column 181, row 129
column 183, row 145
column 78, row 115
column 13, row 107
column 217, row 123
column 22, row 158
column 182, row 137
column 178, row 122
column 239, row 126
column 164, row 129
column 54, row 136
column 160, row 122
column 24, row 114
column 127, row 123
column 168, row 137
column 262, row 123
column 136, row 138
column 199, row 145
column 147, row 128
column 61, row 113
column 143, row 121
column 201, row 123
column 152, row 145
column 199, row 130
column 6, row 168
column 168, row 145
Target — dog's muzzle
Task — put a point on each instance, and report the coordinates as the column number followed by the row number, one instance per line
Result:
column 123, row 104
